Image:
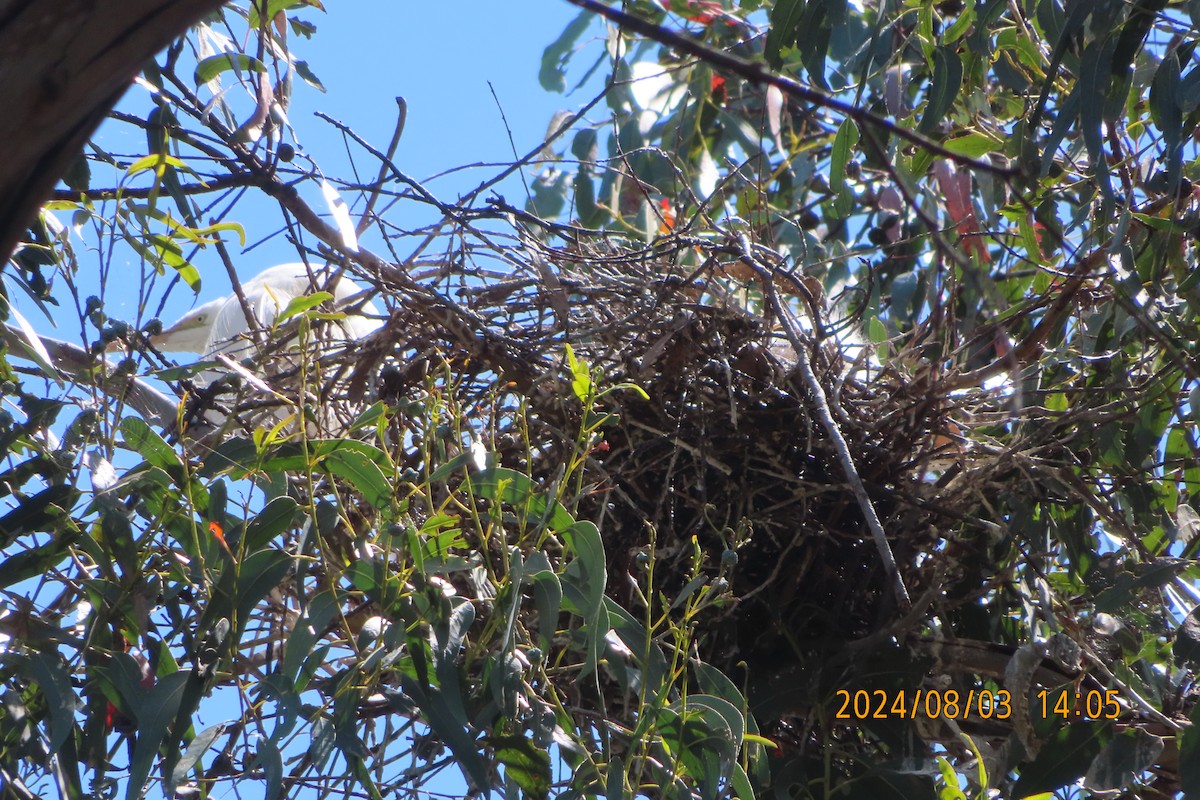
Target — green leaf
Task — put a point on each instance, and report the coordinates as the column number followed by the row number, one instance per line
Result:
column 259, row 574
column 205, row 235
column 51, row 676
column 688, row 590
column 1063, row 759
column 1166, row 111
column 299, row 305
column 1094, row 78
column 451, row 634
column 291, row 456
column 275, row 518
column 155, row 710
column 813, row 35
column 1068, row 113
column 321, row 741
column 1123, row 759
column 363, row 474
column 583, row 584
column 784, row 21
column 653, row 668
column 524, row 762
column 943, row 89
column 370, row 416
column 581, row 379
column 740, row 783
column 1189, row 756
column 194, row 752
column 588, row 568
column 155, row 162
column 614, row 783
column 307, row 631
column 442, row 704
column 553, row 72
column 39, row 512
column 731, row 716
column 518, row 489
column 590, row 213
column 950, row 789
column 36, row 560
column 547, row 596
column 149, row 445
column 715, row 682
column 213, row 66
column 78, row 175
column 583, row 540
column 270, row 760
column 550, row 193
column 1188, row 92
column 973, row 145
column 308, row 76
column 904, row 292
column 697, row 737
column 843, row 143
column 877, row 332
column 966, row 17
column 583, row 146
column 274, row 7
column 35, row 350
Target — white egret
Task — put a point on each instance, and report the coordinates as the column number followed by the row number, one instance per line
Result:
column 221, row 327
column 216, row 326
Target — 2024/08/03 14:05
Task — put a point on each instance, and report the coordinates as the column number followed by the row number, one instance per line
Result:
column 981, row 703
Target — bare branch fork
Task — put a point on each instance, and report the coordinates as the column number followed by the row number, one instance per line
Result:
column 825, row 415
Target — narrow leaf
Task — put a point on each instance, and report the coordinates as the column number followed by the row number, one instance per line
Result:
column 947, row 80
column 843, row 143
column 213, row 66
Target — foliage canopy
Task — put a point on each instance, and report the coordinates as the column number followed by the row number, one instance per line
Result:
column 822, row 425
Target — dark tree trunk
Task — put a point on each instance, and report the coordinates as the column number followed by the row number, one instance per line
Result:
column 63, row 64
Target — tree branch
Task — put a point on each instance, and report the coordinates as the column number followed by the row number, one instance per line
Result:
column 825, row 415
column 756, row 73
column 68, row 63
column 216, row 184
column 79, row 365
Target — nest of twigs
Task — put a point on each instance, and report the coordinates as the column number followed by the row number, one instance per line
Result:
column 726, row 453
column 724, row 469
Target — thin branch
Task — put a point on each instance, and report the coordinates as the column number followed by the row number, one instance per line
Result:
column 80, row 366
column 401, row 118
column 756, row 73
column 825, row 415
column 566, row 125
column 234, row 181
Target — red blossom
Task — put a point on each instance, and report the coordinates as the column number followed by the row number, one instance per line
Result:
column 702, row 11
column 718, row 90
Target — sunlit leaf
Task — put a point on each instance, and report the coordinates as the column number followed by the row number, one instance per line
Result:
column 553, row 71
column 213, row 66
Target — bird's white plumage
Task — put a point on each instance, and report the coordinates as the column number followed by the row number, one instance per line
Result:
column 189, row 333
column 220, row 327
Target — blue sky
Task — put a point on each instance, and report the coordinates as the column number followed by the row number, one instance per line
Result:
column 441, row 58
column 445, row 59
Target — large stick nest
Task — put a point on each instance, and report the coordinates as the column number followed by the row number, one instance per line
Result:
column 725, row 453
